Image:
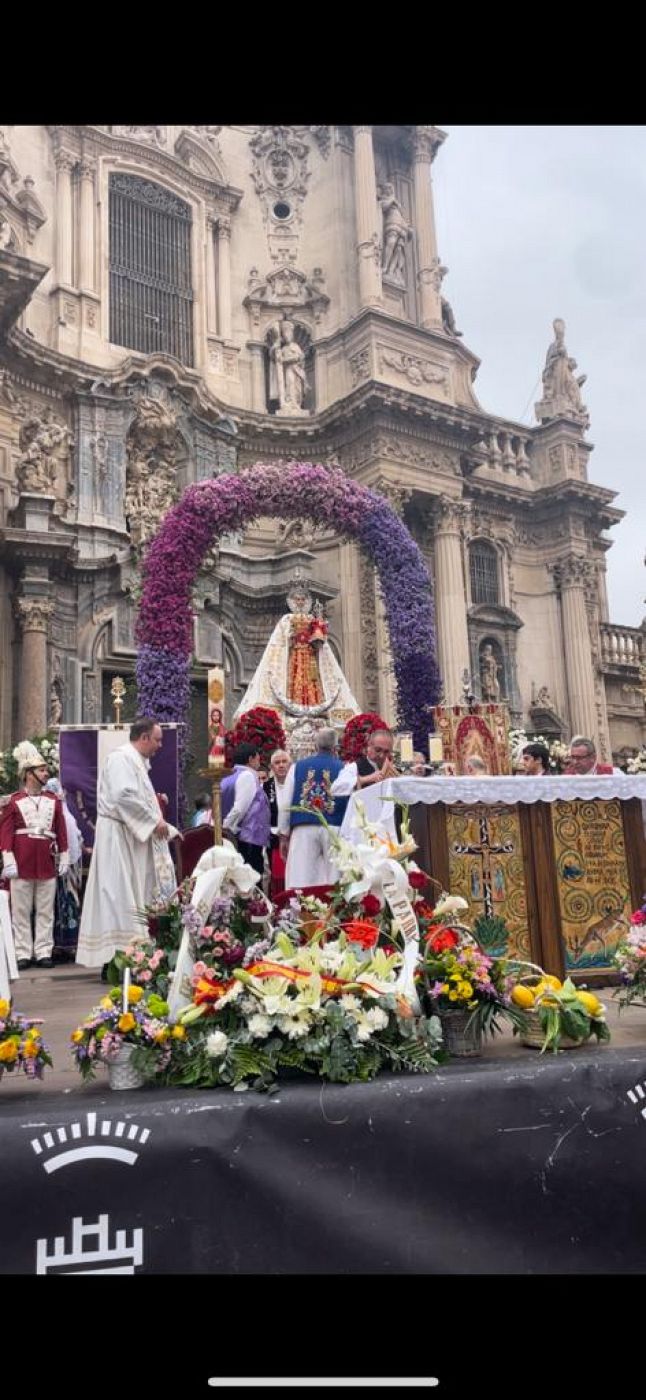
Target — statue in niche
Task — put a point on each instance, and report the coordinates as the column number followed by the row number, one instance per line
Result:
column 99, row 451
column 56, row 694
column 396, row 233
column 287, row 378
column 489, row 673
column 7, row 238
column 43, row 440
column 561, row 387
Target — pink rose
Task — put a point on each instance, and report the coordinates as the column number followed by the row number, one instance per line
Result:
column 199, row 969
column 145, row 976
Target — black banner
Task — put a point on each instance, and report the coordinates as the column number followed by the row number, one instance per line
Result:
column 512, row 1168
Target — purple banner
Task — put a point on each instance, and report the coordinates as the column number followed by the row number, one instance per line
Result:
column 79, row 751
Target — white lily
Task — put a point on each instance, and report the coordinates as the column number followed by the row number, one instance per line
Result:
column 450, row 904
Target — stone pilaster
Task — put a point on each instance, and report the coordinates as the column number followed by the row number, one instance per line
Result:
column 430, row 272
column 86, row 226
column 33, row 615
column 450, row 598
column 572, row 574
column 64, row 166
column 224, row 278
column 209, row 277
column 367, row 220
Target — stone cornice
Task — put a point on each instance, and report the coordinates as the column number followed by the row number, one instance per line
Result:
column 87, row 140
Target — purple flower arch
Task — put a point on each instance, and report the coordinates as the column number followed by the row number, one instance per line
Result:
column 298, row 489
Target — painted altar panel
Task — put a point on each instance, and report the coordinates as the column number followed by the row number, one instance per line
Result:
column 487, row 868
column 593, row 880
column 481, row 731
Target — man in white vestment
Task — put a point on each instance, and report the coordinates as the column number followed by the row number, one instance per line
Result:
column 130, row 848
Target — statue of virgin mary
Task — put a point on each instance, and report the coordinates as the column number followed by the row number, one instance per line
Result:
column 298, row 674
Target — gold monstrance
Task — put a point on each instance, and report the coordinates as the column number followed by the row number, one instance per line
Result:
column 117, row 691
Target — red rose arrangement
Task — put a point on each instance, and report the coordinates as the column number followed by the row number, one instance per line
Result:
column 260, row 725
column 356, row 733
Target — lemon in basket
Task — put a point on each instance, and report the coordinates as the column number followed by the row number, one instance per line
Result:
column 523, row 996
column 592, row 1004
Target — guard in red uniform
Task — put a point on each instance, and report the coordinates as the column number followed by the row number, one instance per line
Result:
column 33, row 841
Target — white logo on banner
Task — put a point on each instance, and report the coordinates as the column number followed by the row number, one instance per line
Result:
column 101, row 1258
column 106, row 1139
column 638, row 1097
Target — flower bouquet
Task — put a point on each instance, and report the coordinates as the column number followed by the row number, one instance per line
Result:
column 630, row 959
column 260, row 725
column 357, row 732
column 134, row 1019
column 557, row 1015
column 21, row 1044
column 330, row 1009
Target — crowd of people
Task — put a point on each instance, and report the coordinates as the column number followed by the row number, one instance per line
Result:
column 273, row 817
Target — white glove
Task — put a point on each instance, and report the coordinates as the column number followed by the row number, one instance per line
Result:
column 63, row 862
column 9, row 867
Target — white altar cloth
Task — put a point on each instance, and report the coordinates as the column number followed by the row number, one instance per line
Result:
column 8, row 966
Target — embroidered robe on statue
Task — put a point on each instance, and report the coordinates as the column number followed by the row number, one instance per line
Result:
column 124, row 872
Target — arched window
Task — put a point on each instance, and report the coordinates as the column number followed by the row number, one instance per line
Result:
column 483, row 567
column 151, row 291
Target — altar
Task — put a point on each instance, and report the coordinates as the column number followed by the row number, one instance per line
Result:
column 561, row 859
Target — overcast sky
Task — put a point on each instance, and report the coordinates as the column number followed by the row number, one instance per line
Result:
column 537, row 222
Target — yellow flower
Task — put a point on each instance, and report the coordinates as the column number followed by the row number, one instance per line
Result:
column 106, row 1003
column 33, row 1033
column 162, row 1035
column 77, row 1035
column 4, row 1008
column 466, row 990
column 134, row 995
column 30, row 1048
column 453, row 996
column 126, row 1022
column 444, row 988
column 179, row 1033
column 8, row 1051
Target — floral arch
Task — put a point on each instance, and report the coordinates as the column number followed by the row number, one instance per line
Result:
column 297, row 489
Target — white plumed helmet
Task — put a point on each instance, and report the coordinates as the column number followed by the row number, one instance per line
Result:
column 27, row 756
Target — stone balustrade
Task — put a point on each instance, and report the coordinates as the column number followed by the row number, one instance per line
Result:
column 621, row 646
column 506, row 451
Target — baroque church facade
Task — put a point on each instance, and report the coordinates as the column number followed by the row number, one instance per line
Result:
column 176, row 302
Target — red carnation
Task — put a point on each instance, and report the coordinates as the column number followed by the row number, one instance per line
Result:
column 361, row 931
column 639, row 917
column 370, row 905
column 417, row 879
column 440, row 939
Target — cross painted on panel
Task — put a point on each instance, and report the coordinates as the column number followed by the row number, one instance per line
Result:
column 490, row 875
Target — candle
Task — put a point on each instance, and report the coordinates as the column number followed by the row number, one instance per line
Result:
column 126, row 987
column 406, row 748
column 435, row 748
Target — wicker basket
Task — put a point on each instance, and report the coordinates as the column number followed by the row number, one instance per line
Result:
column 122, row 1073
column 459, row 1037
column 534, row 1035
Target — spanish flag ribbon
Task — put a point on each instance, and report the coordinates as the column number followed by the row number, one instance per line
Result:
column 295, row 974
column 206, row 991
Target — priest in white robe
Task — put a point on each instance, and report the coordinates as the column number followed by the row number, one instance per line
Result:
column 131, row 860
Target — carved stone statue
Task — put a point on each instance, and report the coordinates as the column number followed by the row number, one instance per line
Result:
column 157, row 134
column 6, row 234
column 151, row 482
column 287, row 379
column 561, row 387
column 489, row 672
column 43, row 441
column 448, row 319
column 56, row 694
column 396, row 233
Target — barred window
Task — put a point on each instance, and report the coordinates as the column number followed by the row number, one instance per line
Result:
column 151, row 290
column 483, row 566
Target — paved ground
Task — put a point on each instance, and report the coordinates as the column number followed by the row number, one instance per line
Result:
column 64, row 995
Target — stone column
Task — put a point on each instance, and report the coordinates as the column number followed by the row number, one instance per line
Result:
column 86, row 226
column 571, row 575
column 64, row 165
column 450, row 598
column 209, row 277
column 224, row 278
column 367, row 218
column 33, row 618
column 430, row 272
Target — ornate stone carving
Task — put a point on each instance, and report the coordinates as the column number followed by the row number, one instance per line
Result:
column 7, row 235
column 151, row 486
column 99, row 456
column 153, row 135
column 396, row 233
column 8, row 168
column 31, row 208
column 33, row 614
column 8, row 397
column 397, row 496
column 359, row 367
column 413, row 368
column 426, row 143
column 450, row 514
column 286, row 288
column 572, row 571
column 24, row 203
column 489, row 673
column 323, row 138
column 44, row 441
column 280, row 172
column 287, row 378
column 91, row 703
column 561, row 387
